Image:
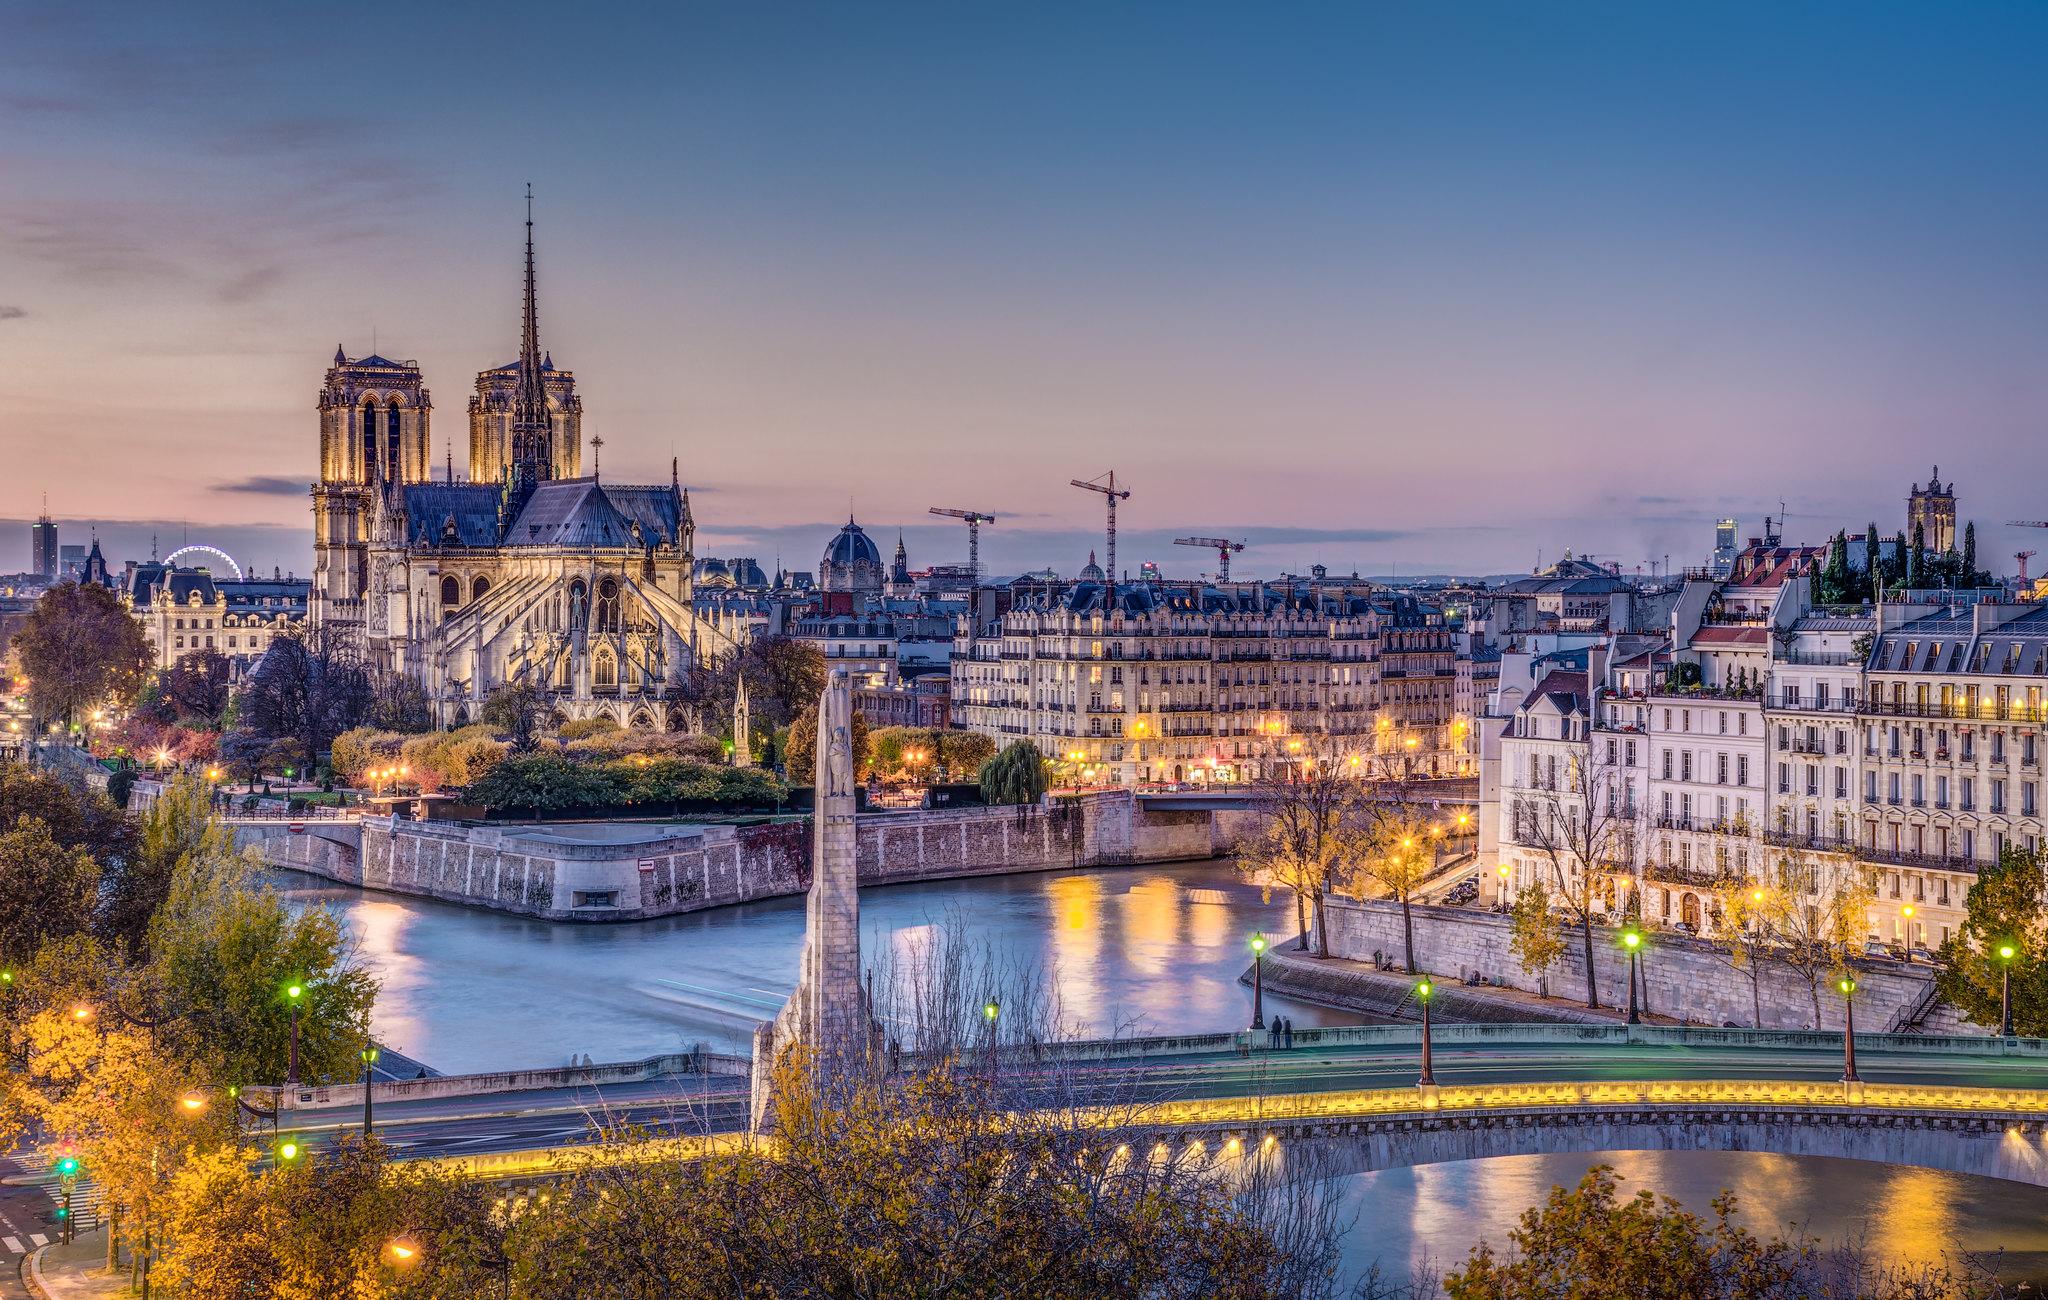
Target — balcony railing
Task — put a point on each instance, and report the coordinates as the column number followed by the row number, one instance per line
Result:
column 1815, row 843
column 1985, row 711
column 1909, row 858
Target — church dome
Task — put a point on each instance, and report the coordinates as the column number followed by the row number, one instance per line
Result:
column 1093, row 571
column 713, row 573
column 851, row 562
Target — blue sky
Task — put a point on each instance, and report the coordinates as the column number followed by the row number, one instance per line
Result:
column 1440, row 287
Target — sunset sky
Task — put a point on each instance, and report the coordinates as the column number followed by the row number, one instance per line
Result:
column 1429, row 287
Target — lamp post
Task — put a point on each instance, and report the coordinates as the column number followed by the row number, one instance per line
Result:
column 1258, row 980
column 369, row 1060
column 1632, row 939
column 1848, row 986
column 292, row 994
column 1428, row 1079
column 2005, row 955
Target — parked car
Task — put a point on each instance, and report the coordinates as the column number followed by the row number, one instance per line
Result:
column 1875, row 949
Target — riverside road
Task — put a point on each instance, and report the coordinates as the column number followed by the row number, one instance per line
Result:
column 695, row 1103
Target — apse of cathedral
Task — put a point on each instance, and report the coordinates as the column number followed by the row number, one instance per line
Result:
column 527, row 572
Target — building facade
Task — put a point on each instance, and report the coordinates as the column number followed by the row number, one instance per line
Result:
column 526, row 572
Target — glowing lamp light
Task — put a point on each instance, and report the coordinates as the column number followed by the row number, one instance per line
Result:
column 1258, row 943
column 992, row 1010
column 82, row 1013
column 289, row 1151
column 2005, row 952
column 293, row 991
column 1423, row 990
column 1631, row 939
column 1907, row 909
column 192, row 1103
column 1503, row 869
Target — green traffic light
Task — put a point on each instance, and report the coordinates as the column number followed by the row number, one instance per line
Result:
column 67, row 1167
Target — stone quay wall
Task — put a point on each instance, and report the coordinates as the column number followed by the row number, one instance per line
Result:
column 1682, row 977
column 685, row 868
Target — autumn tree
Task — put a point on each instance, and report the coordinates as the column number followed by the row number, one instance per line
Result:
column 2003, row 908
column 46, row 890
column 81, row 649
column 1584, row 831
column 1822, row 918
column 1307, row 819
column 225, row 949
column 1390, row 855
column 1749, row 917
column 515, row 711
column 308, row 688
column 1534, row 935
column 197, row 685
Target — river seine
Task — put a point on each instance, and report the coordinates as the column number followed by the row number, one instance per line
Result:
column 1140, row 949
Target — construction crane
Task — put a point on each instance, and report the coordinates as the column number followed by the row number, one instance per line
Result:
column 2026, row 523
column 1222, row 546
column 975, row 519
column 1113, row 493
column 2023, row 557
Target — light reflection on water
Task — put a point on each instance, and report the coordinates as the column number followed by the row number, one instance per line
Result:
column 1153, row 949
column 1441, row 1211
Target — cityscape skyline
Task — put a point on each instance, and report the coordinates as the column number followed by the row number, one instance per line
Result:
column 1594, row 281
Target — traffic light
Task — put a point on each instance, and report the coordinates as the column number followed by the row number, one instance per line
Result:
column 67, row 1167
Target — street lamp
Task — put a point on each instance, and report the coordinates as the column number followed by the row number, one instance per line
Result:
column 1258, row 980
column 292, row 994
column 1632, row 939
column 2005, row 955
column 369, row 1060
column 1422, row 992
column 1907, row 913
column 1848, row 986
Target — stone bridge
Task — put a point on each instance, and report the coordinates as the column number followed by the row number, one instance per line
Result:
column 1989, row 1132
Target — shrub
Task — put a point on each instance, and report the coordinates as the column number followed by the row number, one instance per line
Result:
column 581, row 728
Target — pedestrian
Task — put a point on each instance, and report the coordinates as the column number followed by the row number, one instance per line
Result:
column 1273, row 1034
column 1288, row 1033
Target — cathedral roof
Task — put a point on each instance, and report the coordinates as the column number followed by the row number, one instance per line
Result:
column 374, row 360
column 473, row 505
column 658, row 510
column 570, row 512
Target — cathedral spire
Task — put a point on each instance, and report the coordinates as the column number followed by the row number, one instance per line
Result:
column 530, row 424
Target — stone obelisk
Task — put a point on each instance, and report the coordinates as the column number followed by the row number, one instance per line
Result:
column 742, row 735
column 827, row 1013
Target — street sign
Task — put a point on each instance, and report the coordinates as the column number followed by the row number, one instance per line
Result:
column 647, row 864
column 298, row 828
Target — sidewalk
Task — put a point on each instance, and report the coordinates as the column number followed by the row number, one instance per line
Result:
column 76, row 1271
column 1355, row 986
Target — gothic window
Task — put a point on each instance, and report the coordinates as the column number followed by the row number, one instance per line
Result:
column 391, row 460
column 579, row 604
column 607, row 670
column 478, row 588
column 608, row 606
column 369, row 474
column 451, row 591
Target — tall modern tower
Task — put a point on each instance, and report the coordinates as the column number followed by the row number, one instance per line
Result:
column 42, row 543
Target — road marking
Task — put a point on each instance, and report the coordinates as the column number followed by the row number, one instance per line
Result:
column 14, row 1246
column 37, row 1238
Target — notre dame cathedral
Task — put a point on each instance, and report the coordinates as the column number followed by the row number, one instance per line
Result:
column 527, row 572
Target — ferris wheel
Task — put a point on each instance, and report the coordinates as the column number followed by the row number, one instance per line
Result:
column 172, row 558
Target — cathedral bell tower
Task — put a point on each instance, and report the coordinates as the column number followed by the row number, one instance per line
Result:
column 374, row 433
